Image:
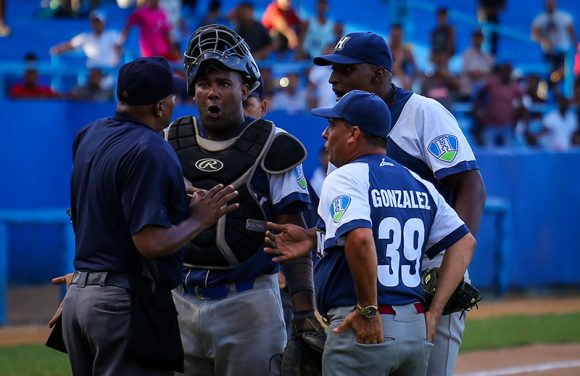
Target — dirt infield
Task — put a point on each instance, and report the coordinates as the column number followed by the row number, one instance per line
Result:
column 36, row 305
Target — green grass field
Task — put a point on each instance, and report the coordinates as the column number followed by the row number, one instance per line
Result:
column 512, row 331
column 481, row 334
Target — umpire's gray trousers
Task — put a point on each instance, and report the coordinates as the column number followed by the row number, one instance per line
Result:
column 96, row 322
column 405, row 350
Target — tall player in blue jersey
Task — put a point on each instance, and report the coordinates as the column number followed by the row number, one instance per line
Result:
column 379, row 220
column 425, row 138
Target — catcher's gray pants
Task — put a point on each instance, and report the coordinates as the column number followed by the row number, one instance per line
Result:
column 405, row 350
column 95, row 325
column 448, row 336
column 233, row 336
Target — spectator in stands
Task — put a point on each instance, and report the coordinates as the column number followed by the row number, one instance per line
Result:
column 99, row 45
column 30, row 87
column 123, row 4
column 477, row 65
column 577, row 62
column 554, row 31
column 443, row 36
column 498, row 105
column 4, row 28
column 268, row 80
column 284, row 25
column 253, row 32
column 319, row 93
column 74, row 8
column 291, row 97
column 94, row 89
column 441, row 85
column 319, row 31
column 488, row 12
column 405, row 69
column 154, row 31
column 319, row 173
column 559, row 127
column 256, row 105
column 214, row 15
column 535, row 93
column 172, row 9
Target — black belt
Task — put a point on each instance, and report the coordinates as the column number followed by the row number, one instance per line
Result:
column 83, row 279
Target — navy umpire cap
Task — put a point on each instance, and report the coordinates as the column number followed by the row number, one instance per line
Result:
column 363, row 109
column 147, row 80
column 357, row 48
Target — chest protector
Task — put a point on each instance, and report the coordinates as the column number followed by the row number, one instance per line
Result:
column 240, row 234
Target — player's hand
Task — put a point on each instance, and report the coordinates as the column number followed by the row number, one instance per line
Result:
column 431, row 321
column 368, row 331
column 56, row 315
column 287, row 241
column 195, row 194
column 67, row 278
column 209, row 208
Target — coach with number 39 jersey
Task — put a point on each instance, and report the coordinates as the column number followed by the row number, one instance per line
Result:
column 410, row 214
column 379, row 218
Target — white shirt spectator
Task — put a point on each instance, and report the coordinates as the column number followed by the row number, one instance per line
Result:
column 555, row 27
column 318, row 37
column 318, row 78
column 560, row 129
column 100, row 50
column 474, row 61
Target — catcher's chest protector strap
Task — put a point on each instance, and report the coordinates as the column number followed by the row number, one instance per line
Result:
column 206, row 164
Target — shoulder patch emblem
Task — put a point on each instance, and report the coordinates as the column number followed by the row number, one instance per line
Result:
column 338, row 207
column 444, row 148
column 299, row 174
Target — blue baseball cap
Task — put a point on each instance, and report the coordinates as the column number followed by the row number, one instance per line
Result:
column 357, row 48
column 147, row 80
column 363, row 109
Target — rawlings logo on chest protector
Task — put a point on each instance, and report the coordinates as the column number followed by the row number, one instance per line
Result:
column 209, row 165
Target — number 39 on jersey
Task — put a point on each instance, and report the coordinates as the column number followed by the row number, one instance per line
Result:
column 404, row 244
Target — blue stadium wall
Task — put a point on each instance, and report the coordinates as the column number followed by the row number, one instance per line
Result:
column 542, row 189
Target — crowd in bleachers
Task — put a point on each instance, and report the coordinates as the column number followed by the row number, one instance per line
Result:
column 502, row 106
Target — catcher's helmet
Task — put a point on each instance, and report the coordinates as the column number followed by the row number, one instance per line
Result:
column 220, row 43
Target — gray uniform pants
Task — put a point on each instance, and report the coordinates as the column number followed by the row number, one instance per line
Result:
column 405, row 350
column 233, row 336
column 95, row 323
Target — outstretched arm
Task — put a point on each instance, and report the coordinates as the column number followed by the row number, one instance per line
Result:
column 289, row 241
column 156, row 241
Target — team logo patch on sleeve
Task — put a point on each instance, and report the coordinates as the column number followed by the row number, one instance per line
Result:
column 299, row 174
column 444, row 148
column 338, row 207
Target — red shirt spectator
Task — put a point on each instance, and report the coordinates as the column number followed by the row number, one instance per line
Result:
column 273, row 11
column 30, row 88
column 282, row 21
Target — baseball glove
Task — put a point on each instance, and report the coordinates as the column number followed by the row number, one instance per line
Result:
column 303, row 353
column 463, row 299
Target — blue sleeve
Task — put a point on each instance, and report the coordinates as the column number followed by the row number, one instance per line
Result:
column 144, row 190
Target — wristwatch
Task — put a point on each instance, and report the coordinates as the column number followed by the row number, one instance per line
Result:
column 368, row 312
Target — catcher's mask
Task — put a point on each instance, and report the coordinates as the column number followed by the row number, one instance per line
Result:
column 221, row 44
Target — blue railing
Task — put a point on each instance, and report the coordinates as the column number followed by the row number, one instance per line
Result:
column 47, row 216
